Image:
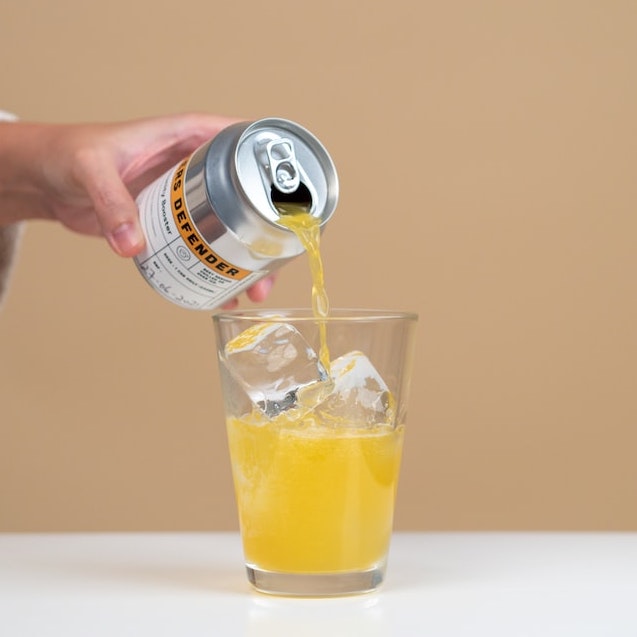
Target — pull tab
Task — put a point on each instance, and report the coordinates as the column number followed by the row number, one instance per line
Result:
column 282, row 165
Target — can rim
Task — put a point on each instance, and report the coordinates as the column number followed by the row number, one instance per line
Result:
column 321, row 156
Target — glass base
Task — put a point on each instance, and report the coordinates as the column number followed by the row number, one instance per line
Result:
column 316, row 584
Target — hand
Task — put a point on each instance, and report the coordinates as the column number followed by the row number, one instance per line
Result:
column 86, row 176
column 257, row 293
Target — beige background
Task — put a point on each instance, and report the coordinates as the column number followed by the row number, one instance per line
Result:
column 487, row 153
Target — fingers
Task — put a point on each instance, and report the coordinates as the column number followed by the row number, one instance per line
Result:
column 256, row 293
column 260, row 290
column 153, row 145
column 115, row 208
column 145, row 148
column 126, row 239
column 230, row 305
column 182, row 125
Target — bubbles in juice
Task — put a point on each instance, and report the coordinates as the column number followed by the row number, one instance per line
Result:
column 312, row 498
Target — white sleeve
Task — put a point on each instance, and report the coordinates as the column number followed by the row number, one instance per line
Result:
column 9, row 235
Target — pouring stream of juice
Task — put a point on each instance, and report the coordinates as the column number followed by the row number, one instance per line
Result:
column 296, row 218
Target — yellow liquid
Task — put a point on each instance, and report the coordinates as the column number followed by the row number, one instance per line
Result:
column 314, row 500
column 307, row 228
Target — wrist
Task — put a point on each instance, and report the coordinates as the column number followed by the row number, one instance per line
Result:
column 21, row 194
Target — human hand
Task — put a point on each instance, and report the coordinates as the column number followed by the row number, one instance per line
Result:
column 86, row 176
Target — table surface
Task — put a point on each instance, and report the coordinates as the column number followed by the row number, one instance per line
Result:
column 438, row 584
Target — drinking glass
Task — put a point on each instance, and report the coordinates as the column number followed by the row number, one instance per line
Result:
column 315, row 414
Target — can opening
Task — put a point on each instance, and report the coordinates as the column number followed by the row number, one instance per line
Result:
column 292, row 202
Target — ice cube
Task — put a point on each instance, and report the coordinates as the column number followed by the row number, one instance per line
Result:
column 277, row 368
column 360, row 397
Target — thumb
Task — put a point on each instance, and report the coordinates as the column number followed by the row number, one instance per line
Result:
column 115, row 209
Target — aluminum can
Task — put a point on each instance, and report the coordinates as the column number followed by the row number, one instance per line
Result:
column 211, row 222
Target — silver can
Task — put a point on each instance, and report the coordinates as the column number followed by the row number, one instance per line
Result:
column 211, row 222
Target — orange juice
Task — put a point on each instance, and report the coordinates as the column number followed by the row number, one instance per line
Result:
column 308, row 230
column 313, row 499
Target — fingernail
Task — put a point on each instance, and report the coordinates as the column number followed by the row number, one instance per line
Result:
column 126, row 239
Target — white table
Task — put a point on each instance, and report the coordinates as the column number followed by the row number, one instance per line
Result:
column 438, row 584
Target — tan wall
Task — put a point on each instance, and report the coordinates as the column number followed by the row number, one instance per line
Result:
column 487, row 159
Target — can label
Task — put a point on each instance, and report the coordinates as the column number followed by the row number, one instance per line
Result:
column 214, row 223
column 177, row 261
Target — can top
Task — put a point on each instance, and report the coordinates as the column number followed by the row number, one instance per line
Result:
column 278, row 163
column 240, row 183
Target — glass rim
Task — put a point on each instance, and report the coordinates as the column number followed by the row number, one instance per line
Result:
column 305, row 314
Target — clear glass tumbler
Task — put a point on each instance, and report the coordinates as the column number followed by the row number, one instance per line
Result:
column 315, row 414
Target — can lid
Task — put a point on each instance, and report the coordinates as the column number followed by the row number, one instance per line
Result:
column 239, row 184
column 279, row 163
